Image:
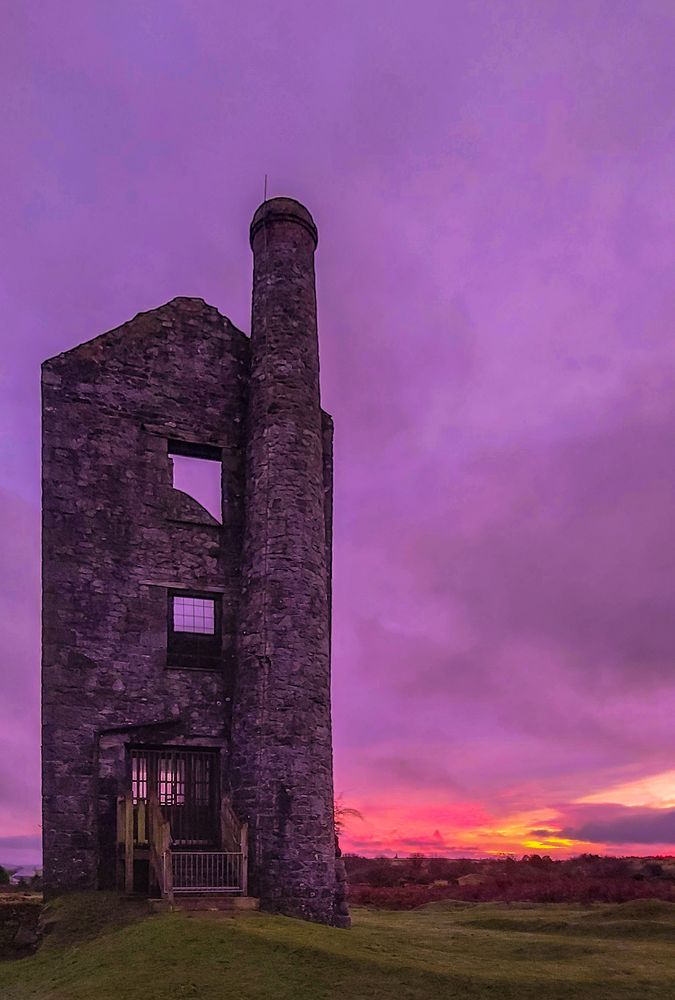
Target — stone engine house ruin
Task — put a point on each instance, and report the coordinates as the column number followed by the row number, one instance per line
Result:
column 186, row 654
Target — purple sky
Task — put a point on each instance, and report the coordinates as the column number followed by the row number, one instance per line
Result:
column 493, row 186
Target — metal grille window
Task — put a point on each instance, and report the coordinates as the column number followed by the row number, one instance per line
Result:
column 139, row 778
column 194, row 630
column 186, row 785
column 194, row 614
column 202, row 773
column 171, row 781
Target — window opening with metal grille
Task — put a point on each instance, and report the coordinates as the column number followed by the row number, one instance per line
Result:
column 194, row 636
column 194, row 614
column 186, row 785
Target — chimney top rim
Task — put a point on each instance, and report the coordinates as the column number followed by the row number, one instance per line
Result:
column 286, row 210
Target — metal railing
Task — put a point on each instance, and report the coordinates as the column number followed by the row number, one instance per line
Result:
column 144, row 833
column 206, row 871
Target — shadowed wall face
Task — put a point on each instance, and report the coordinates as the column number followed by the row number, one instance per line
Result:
column 282, row 754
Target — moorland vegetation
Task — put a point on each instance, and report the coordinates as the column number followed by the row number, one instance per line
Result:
column 406, row 883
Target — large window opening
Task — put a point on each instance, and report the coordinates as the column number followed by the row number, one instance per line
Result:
column 197, row 470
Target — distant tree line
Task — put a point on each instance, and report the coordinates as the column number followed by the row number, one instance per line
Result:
column 403, row 883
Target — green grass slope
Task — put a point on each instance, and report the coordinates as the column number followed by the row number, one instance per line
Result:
column 106, row 949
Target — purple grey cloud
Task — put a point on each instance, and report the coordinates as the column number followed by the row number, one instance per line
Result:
column 20, row 843
column 493, row 187
column 624, row 825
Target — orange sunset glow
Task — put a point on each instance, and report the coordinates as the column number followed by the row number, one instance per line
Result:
column 465, row 829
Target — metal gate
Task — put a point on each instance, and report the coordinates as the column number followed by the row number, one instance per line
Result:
column 185, row 783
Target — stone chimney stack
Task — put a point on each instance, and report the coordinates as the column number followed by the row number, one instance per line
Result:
column 282, row 771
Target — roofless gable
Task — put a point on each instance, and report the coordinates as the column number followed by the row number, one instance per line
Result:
column 147, row 330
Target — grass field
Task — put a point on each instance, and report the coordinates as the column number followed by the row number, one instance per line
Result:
column 102, row 948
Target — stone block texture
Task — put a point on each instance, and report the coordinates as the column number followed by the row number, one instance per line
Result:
column 119, row 540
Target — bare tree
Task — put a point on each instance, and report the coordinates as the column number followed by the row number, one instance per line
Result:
column 344, row 813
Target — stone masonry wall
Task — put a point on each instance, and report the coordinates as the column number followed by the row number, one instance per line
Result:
column 115, row 536
column 281, row 747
